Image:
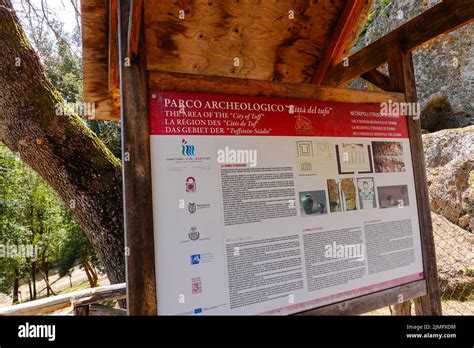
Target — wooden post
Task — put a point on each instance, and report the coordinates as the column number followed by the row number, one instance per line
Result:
column 402, row 79
column 378, row 79
column 134, row 27
column 138, row 212
column 81, row 311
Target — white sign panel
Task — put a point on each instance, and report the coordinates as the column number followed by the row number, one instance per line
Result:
column 276, row 206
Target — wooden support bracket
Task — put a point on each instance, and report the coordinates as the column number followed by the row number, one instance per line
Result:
column 378, row 79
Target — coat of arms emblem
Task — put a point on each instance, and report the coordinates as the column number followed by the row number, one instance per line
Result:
column 192, row 207
column 193, row 233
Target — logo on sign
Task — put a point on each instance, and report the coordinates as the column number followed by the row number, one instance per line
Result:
column 195, row 259
column 193, row 233
column 187, row 150
column 192, row 207
column 196, row 285
column 190, row 184
column 303, row 125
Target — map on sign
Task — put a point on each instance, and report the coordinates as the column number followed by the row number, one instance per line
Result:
column 276, row 206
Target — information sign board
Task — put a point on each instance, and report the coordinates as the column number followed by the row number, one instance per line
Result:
column 276, row 206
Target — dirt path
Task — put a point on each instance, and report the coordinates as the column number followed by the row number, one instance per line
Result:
column 59, row 285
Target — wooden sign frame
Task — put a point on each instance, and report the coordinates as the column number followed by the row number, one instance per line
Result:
column 136, row 80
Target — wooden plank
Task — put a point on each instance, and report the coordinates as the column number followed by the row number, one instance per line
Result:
column 346, row 23
column 440, row 19
column 95, row 58
column 97, row 310
column 114, row 72
column 102, row 109
column 371, row 302
column 138, row 209
column 106, row 295
column 81, row 311
column 53, row 303
column 378, row 79
column 273, row 40
column 402, row 79
column 213, row 84
column 134, row 25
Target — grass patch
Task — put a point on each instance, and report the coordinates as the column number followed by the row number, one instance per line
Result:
column 110, row 304
column 80, row 286
column 373, row 14
column 469, row 271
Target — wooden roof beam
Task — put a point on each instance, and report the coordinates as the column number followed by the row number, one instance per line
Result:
column 346, row 23
column 378, row 79
column 170, row 81
column 440, row 19
column 114, row 72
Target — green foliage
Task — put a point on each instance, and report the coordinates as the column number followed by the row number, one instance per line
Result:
column 378, row 9
column 12, row 231
column 60, row 52
column 110, row 133
column 65, row 73
column 74, row 247
column 32, row 215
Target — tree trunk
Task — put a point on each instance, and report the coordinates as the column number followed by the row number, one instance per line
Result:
column 45, row 274
column 30, row 290
column 33, row 278
column 16, row 286
column 91, row 276
column 60, row 148
column 93, row 273
column 46, row 280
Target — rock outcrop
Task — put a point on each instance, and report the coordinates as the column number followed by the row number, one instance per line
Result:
column 444, row 68
column 449, row 156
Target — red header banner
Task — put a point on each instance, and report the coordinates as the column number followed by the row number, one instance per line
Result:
column 185, row 113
